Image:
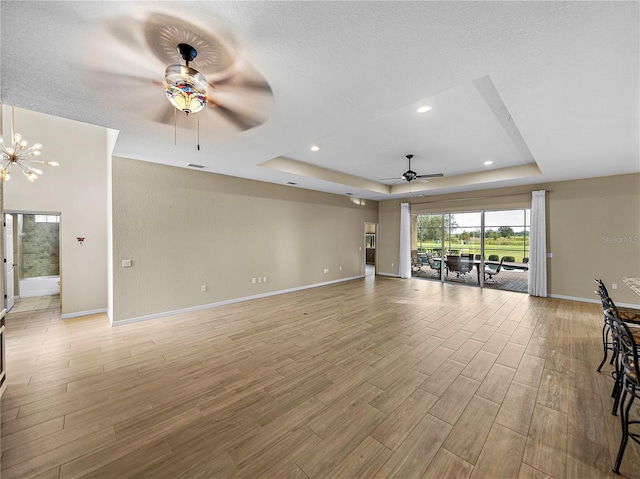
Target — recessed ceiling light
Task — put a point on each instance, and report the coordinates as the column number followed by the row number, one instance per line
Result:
column 424, row 108
column 487, row 163
column 315, row 148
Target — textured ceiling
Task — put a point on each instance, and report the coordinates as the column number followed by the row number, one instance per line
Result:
column 546, row 90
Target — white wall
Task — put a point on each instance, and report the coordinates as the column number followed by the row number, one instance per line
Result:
column 77, row 189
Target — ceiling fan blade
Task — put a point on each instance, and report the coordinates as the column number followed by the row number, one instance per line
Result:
column 434, row 175
column 166, row 115
column 240, row 120
column 246, row 84
column 388, row 179
column 120, row 77
column 128, row 31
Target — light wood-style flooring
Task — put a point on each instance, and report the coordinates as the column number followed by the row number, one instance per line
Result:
column 36, row 303
column 372, row 378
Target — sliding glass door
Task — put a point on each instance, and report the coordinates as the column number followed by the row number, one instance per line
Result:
column 463, row 244
column 430, row 246
column 480, row 248
column 507, row 235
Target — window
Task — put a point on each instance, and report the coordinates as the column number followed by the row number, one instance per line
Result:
column 506, row 234
column 370, row 240
column 46, row 218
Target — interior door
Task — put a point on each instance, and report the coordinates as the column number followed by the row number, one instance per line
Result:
column 8, row 262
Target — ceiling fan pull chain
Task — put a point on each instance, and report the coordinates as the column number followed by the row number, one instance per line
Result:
column 175, row 128
column 198, row 132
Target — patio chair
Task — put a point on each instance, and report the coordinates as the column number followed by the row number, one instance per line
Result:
column 416, row 266
column 508, row 259
column 492, row 267
column 433, row 264
column 490, row 274
column 460, row 266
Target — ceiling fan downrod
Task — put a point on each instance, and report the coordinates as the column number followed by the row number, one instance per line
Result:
column 409, row 175
column 187, row 52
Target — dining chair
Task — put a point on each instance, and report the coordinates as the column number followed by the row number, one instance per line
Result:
column 628, row 315
column 629, row 383
column 611, row 342
column 607, row 343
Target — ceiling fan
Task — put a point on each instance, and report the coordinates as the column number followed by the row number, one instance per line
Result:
column 411, row 175
column 129, row 62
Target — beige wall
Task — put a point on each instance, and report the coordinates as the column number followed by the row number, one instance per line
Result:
column 183, row 229
column 77, row 189
column 388, row 240
column 593, row 230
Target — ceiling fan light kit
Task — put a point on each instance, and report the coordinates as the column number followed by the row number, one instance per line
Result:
column 186, row 87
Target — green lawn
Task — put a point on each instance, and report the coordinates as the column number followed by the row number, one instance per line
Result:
column 500, row 250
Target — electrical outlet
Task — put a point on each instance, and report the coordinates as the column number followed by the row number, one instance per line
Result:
column 126, row 263
column 392, row 265
column 549, row 255
column 614, row 286
column 203, row 288
column 253, row 280
column 264, row 279
column 340, row 268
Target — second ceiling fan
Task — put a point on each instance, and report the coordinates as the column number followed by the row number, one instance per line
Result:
column 411, row 175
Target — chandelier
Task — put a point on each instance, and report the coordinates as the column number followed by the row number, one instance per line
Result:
column 22, row 155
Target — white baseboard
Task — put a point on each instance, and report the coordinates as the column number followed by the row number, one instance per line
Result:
column 395, row 275
column 592, row 300
column 39, row 292
column 229, row 301
column 83, row 313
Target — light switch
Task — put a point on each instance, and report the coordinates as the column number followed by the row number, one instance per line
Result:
column 126, row 263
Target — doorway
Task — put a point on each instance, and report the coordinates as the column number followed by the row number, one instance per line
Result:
column 9, row 280
column 370, row 248
column 32, row 261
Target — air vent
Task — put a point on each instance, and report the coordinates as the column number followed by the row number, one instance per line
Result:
column 349, row 194
column 193, row 165
column 291, row 183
